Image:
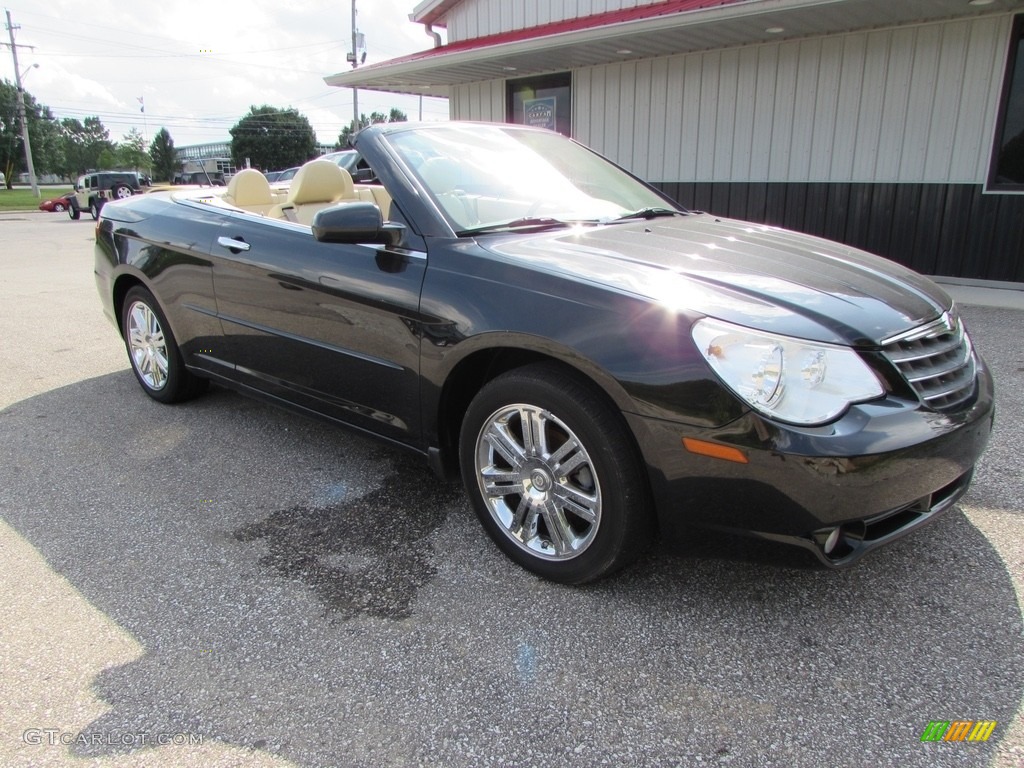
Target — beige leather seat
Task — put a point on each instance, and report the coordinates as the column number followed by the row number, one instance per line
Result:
column 249, row 189
column 374, row 193
column 319, row 184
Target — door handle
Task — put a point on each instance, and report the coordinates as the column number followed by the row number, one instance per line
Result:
column 232, row 244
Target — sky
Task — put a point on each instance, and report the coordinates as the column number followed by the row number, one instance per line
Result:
column 199, row 66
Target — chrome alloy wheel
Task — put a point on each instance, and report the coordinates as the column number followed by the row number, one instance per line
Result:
column 147, row 345
column 538, row 482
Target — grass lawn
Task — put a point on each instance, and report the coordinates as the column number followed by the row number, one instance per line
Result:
column 22, row 199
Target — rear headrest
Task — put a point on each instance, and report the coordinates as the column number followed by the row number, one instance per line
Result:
column 320, row 181
column 248, row 187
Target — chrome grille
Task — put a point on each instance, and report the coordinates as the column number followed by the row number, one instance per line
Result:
column 937, row 360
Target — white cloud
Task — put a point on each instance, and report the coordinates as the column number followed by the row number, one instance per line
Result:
column 200, row 66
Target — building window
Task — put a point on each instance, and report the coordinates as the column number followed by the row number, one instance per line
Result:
column 1007, row 170
column 544, row 101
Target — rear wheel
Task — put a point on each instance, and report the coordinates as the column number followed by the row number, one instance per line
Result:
column 58, row 207
column 554, row 475
column 122, row 191
column 94, row 209
column 154, row 354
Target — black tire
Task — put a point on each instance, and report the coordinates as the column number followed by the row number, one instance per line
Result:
column 58, row 207
column 94, row 208
column 153, row 352
column 74, row 212
column 121, row 192
column 571, row 528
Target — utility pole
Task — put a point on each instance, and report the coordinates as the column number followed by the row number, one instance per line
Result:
column 21, row 106
column 355, row 63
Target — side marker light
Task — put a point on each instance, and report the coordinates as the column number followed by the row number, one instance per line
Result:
column 714, row 450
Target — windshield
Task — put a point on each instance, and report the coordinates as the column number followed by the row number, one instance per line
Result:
column 488, row 176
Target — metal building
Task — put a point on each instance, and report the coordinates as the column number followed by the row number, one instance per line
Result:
column 892, row 125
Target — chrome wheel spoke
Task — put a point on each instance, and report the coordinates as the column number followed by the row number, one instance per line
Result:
column 534, row 439
column 158, row 371
column 578, row 503
column 524, row 519
column 564, row 450
column 577, row 457
column 559, row 530
column 501, row 482
column 499, row 437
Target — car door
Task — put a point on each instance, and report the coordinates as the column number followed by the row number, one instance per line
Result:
column 326, row 326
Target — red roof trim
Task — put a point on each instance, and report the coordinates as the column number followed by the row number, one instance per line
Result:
column 608, row 18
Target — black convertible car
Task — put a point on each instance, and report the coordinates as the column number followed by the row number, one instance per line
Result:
column 594, row 359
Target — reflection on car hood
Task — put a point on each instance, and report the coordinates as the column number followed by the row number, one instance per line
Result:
column 751, row 274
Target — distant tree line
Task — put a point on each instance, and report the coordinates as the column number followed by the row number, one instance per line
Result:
column 267, row 137
column 66, row 147
column 273, row 139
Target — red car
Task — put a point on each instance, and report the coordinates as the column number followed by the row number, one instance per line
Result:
column 57, row 204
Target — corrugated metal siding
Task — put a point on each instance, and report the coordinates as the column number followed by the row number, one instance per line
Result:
column 910, row 104
column 937, row 229
column 478, row 18
column 478, row 101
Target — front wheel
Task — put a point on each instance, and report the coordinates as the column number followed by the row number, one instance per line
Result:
column 155, row 357
column 73, row 212
column 554, row 475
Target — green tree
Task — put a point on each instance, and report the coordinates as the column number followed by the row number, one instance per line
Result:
column 81, row 144
column 72, row 143
column 164, row 156
column 394, row 116
column 132, row 152
column 272, row 138
column 41, row 131
column 107, row 161
column 47, row 151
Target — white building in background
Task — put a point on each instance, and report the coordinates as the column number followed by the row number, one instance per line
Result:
column 892, row 125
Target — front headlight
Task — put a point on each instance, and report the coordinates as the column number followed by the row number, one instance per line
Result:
column 789, row 379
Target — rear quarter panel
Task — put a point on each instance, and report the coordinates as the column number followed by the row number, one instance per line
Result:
column 164, row 246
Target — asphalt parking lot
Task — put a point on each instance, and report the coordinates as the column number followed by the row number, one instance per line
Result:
column 223, row 583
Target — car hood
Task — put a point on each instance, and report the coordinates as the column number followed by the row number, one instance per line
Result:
column 755, row 275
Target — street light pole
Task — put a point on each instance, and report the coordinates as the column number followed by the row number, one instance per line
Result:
column 21, row 110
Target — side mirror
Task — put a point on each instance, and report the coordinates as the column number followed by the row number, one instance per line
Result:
column 355, row 223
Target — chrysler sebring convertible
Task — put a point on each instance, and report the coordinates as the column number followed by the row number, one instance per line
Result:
column 597, row 362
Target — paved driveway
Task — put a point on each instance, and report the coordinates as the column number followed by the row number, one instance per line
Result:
column 222, row 583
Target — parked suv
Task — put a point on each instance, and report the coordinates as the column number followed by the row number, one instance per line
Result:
column 93, row 189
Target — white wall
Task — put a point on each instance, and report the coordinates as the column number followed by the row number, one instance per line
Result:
column 478, row 101
column 476, row 18
column 908, row 104
column 911, row 104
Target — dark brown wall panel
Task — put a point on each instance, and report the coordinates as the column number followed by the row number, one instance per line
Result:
column 937, row 229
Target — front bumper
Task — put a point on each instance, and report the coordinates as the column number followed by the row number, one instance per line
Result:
column 883, row 470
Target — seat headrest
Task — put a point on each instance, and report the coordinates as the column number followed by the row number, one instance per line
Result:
column 248, row 187
column 320, row 181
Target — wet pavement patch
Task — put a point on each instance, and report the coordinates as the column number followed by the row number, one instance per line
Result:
column 366, row 555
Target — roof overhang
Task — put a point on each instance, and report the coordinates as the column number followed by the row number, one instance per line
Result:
column 432, row 11
column 647, row 31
